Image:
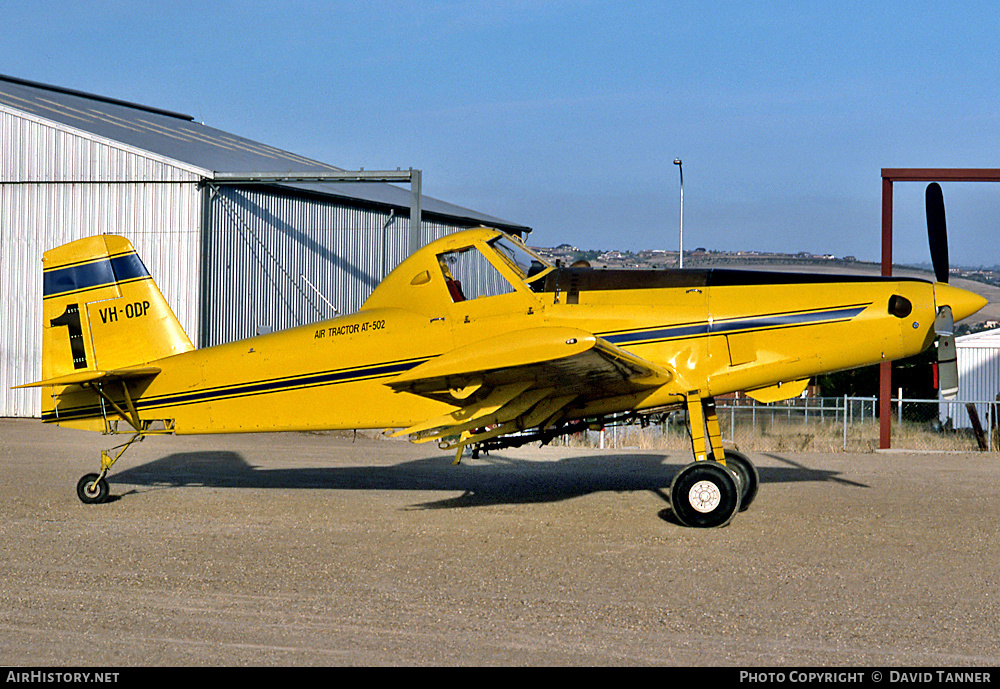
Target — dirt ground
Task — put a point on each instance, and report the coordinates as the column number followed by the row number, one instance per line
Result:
column 320, row 549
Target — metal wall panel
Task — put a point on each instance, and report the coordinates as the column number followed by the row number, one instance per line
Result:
column 262, row 247
column 56, row 187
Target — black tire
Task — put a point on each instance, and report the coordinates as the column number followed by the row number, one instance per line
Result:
column 705, row 495
column 89, row 493
column 749, row 478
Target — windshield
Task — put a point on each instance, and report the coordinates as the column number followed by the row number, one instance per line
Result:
column 525, row 263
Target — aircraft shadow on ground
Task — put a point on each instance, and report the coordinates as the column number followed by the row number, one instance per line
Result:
column 489, row 480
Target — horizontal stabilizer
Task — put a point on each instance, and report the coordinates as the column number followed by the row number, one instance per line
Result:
column 92, row 376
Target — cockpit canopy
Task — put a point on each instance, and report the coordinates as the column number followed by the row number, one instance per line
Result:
column 470, row 273
column 472, row 264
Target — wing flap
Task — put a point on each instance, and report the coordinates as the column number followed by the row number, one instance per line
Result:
column 495, row 401
column 509, row 412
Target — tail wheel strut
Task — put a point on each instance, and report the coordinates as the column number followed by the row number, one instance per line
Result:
column 92, row 489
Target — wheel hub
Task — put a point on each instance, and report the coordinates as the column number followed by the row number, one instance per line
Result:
column 704, row 496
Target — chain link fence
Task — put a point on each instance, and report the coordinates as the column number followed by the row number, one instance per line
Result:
column 818, row 424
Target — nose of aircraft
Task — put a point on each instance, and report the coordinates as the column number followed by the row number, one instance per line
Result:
column 963, row 303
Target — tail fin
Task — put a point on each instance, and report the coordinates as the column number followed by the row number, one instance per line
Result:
column 102, row 311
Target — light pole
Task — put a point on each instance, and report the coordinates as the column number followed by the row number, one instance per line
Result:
column 680, row 167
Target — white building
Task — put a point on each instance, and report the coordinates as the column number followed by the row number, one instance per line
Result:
column 978, row 377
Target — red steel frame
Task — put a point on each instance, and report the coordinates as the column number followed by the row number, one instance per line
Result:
column 890, row 175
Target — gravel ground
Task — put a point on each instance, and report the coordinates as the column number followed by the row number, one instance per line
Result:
column 321, row 549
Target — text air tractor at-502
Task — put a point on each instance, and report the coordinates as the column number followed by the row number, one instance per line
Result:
column 533, row 351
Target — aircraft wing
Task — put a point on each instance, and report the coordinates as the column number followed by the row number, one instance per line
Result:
column 522, row 380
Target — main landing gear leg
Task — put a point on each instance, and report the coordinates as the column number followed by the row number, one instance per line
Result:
column 709, row 492
column 92, row 489
column 696, row 423
column 737, row 462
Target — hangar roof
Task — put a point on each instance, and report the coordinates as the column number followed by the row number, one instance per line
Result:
column 989, row 339
column 178, row 137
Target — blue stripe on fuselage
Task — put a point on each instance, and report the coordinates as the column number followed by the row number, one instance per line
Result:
column 249, row 388
column 762, row 322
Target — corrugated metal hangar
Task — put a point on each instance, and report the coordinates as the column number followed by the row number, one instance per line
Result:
column 241, row 237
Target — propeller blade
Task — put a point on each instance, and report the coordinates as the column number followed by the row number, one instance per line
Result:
column 947, row 367
column 937, row 232
column 944, row 327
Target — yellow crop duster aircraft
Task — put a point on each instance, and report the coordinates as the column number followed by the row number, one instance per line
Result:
column 475, row 341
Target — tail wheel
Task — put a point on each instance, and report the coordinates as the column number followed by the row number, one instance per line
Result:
column 705, row 494
column 92, row 489
column 747, row 472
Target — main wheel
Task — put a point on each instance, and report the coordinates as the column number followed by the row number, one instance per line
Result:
column 92, row 489
column 749, row 478
column 705, row 494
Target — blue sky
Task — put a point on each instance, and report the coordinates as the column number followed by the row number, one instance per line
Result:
column 567, row 116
